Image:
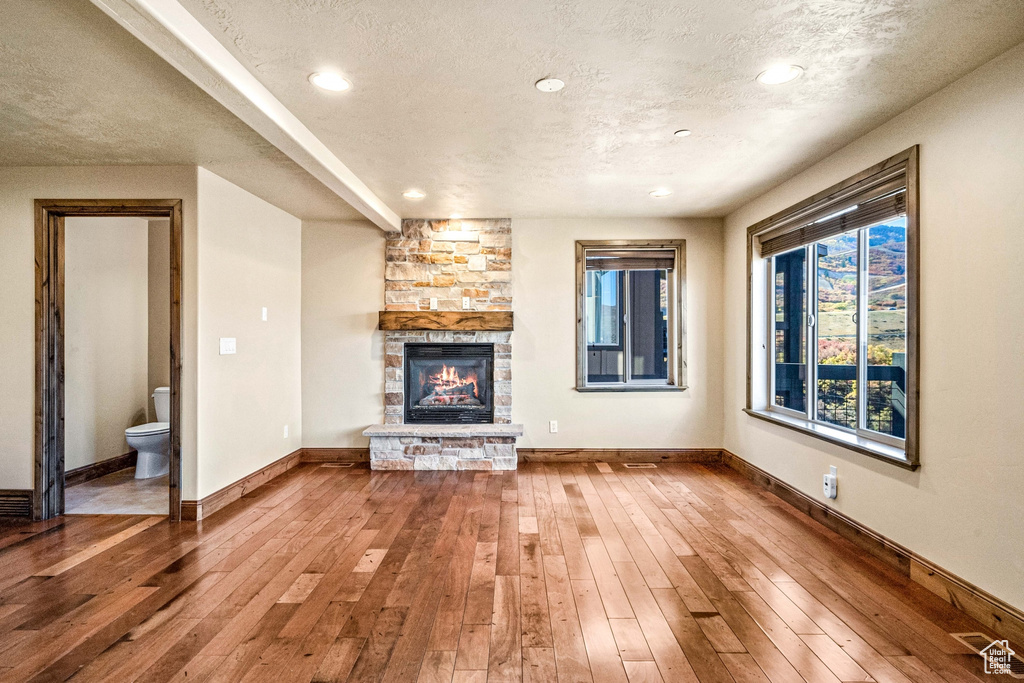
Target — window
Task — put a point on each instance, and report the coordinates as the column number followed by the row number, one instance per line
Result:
column 839, row 318
column 629, row 315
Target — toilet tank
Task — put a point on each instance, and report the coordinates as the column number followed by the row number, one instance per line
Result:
column 162, row 403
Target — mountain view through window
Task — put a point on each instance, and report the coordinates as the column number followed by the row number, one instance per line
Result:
column 838, row 272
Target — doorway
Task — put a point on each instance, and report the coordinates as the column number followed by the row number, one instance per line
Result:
column 49, row 488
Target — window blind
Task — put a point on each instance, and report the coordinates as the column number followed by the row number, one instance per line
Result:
column 881, row 203
column 631, row 259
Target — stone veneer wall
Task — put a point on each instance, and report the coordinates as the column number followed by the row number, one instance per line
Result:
column 448, row 260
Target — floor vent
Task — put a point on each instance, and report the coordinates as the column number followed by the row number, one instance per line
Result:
column 640, row 465
column 337, row 464
column 981, row 643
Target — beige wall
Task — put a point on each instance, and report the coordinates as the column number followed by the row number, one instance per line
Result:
column 159, row 304
column 961, row 509
column 18, row 188
column 249, row 257
column 342, row 351
column 105, row 335
column 343, row 374
column 544, row 341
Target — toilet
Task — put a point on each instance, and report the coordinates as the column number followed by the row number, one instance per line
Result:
column 153, row 439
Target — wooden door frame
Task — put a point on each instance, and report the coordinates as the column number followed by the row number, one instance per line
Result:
column 48, row 489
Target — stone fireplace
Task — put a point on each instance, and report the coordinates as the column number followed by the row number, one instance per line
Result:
column 447, row 348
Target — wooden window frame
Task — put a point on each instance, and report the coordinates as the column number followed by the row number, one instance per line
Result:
column 910, row 459
column 677, row 375
column 48, row 488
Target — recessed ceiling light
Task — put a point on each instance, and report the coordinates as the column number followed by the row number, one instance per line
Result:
column 682, row 133
column 413, row 194
column 660, row 193
column 549, row 85
column 779, row 74
column 455, row 216
column 329, row 81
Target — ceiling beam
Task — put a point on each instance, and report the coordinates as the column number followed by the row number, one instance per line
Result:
column 176, row 36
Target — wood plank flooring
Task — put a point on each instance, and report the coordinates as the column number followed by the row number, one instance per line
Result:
column 567, row 572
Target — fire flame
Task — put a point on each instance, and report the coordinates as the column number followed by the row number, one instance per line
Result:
column 449, row 379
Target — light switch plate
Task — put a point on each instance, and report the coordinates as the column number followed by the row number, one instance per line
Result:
column 264, row 314
column 227, row 346
column 433, row 303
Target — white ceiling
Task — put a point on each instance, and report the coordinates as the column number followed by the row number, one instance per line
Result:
column 77, row 89
column 443, row 97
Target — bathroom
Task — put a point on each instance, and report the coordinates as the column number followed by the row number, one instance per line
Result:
column 117, row 365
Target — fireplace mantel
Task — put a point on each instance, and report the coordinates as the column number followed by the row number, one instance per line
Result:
column 476, row 321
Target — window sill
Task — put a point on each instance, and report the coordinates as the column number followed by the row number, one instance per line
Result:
column 875, row 449
column 631, row 387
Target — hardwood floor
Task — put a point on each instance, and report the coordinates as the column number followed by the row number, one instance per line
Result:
column 569, row 572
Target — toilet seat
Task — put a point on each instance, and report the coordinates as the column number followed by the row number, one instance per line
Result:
column 148, row 429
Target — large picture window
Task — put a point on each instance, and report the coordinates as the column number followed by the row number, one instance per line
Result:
column 840, row 315
column 630, row 336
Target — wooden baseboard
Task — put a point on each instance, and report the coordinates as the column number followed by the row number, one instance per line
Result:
column 80, row 475
column 702, row 455
column 335, row 455
column 16, row 503
column 195, row 510
column 1004, row 619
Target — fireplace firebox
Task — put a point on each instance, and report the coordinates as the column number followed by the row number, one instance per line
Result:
column 449, row 383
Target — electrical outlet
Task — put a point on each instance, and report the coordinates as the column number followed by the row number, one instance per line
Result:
column 465, row 303
column 286, row 431
column 830, row 483
column 227, row 346
column 433, row 303
column 553, row 426
column 264, row 314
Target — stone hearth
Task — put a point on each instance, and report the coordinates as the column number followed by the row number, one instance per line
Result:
column 443, row 447
column 449, row 262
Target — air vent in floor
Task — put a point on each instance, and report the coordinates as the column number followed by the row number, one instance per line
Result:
column 640, row 465
column 998, row 650
column 337, row 464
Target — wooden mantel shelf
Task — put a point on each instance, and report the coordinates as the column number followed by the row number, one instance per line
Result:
column 446, row 320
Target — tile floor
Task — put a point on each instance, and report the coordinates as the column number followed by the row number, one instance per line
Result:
column 119, row 493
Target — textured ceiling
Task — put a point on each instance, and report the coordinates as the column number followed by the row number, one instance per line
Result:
column 443, row 99
column 443, row 96
column 77, row 89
